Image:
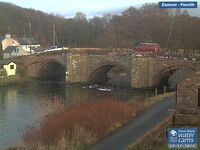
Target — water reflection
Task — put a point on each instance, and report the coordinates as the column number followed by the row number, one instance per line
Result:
column 21, row 105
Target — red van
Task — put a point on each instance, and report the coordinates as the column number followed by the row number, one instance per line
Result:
column 148, row 47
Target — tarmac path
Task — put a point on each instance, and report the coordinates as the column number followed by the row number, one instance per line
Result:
column 136, row 127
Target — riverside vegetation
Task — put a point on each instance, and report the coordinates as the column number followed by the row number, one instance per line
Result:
column 10, row 80
column 76, row 127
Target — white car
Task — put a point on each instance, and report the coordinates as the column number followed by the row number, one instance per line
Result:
column 55, row 48
column 137, row 55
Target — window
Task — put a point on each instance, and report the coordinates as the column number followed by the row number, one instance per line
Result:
column 12, row 67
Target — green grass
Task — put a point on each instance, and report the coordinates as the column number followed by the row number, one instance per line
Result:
column 155, row 99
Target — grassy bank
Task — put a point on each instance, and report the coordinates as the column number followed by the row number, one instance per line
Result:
column 10, row 80
column 155, row 99
column 76, row 127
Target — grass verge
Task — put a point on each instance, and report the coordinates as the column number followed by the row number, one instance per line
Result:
column 155, row 99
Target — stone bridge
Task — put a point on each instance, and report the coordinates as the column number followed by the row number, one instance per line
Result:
column 96, row 66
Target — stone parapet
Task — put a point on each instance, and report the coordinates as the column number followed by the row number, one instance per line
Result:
column 153, row 138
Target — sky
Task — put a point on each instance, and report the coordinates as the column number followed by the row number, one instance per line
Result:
column 89, row 7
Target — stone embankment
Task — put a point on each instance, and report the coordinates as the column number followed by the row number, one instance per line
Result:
column 153, row 138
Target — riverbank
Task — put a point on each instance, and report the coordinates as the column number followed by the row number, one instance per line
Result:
column 78, row 126
column 86, row 127
column 10, row 80
column 155, row 99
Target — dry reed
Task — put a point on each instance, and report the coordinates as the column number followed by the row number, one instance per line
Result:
column 77, row 126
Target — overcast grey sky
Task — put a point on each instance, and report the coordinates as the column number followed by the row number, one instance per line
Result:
column 89, row 7
column 74, row 5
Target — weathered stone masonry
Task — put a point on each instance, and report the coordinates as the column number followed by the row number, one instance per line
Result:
column 81, row 65
column 188, row 109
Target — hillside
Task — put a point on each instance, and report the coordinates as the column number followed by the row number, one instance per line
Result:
column 131, row 27
column 16, row 20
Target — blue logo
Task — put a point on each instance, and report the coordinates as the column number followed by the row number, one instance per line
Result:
column 178, row 4
column 182, row 138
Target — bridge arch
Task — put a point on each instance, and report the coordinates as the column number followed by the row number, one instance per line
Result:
column 49, row 69
column 172, row 75
column 109, row 72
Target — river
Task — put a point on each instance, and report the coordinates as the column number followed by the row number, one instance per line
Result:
column 21, row 105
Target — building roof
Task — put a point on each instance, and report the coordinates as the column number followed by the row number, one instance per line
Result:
column 27, row 41
column 10, row 49
column 5, row 62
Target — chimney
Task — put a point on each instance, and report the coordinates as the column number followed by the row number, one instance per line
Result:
column 7, row 36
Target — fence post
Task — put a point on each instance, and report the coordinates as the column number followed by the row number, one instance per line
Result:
column 156, row 91
column 164, row 89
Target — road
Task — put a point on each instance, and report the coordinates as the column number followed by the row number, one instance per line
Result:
column 136, row 127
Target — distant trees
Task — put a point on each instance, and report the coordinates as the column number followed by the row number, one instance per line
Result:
column 135, row 25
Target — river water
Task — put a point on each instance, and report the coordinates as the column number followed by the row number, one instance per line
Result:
column 21, row 105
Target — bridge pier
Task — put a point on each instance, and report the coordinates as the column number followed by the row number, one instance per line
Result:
column 90, row 68
column 141, row 73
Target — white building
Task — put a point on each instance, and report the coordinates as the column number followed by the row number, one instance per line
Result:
column 28, row 44
column 9, row 66
column 14, row 51
column 5, row 42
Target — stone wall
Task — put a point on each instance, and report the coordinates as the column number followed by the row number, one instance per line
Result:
column 34, row 65
column 141, row 72
column 147, row 72
column 187, row 93
column 186, row 119
column 144, row 72
column 152, row 139
column 76, row 68
column 187, row 108
column 81, row 65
